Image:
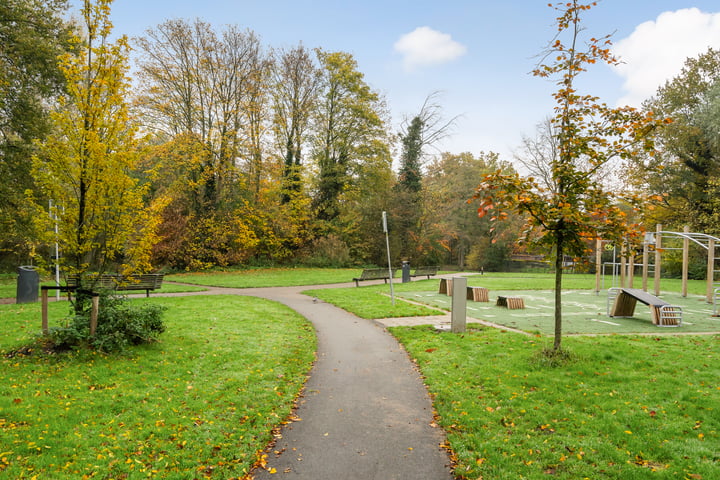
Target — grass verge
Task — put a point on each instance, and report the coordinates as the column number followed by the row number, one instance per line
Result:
column 621, row 407
column 372, row 302
column 200, row 403
column 268, row 277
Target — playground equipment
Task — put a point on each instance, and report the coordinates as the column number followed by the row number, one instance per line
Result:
column 622, row 301
column 654, row 242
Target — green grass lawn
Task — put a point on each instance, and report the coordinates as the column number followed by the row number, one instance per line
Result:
column 203, row 401
column 375, row 301
column 624, row 408
column 268, row 277
column 200, row 403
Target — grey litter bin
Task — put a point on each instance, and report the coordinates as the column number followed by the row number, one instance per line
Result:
column 405, row 271
column 28, row 284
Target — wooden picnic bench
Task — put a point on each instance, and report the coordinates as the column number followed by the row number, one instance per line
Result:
column 424, row 272
column 374, row 274
column 144, row 281
column 624, row 300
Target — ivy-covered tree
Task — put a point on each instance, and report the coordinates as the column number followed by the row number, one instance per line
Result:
column 349, row 129
column 86, row 165
column 296, row 81
column 417, row 135
column 576, row 206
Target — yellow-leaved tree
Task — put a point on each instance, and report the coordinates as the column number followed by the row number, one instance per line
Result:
column 87, row 165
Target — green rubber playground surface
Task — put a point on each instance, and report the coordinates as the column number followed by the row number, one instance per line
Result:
column 584, row 312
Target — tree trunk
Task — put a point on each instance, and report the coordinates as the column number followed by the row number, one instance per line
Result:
column 559, row 254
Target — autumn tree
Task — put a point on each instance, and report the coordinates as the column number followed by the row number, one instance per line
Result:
column 32, row 35
column 199, row 84
column 296, row 82
column 421, row 132
column 349, row 129
column 211, row 89
column 451, row 231
column 86, row 164
column 576, row 206
column 687, row 168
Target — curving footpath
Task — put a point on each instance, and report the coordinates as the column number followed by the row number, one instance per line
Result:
column 365, row 413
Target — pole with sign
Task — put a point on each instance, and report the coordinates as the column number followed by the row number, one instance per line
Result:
column 387, row 243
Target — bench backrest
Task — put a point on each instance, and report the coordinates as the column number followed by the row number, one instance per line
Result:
column 112, row 282
column 426, row 270
column 374, row 273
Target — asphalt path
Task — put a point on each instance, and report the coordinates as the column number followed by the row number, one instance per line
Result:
column 365, row 412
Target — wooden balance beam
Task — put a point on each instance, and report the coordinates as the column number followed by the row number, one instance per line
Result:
column 662, row 313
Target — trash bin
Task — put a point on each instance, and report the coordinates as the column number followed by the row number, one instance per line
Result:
column 28, row 284
column 405, row 271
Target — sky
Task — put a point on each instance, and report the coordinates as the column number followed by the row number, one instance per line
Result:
column 476, row 54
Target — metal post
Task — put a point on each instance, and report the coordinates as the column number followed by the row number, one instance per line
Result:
column 710, row 270
column 623, row 263
column 646, row 257
column 685, row 261
column 658, row 258
column 598, row 264
column 387, row 243
column 53, row 215
column 459, row 305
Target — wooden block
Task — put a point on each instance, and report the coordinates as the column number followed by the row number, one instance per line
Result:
column 478, row 294
column 515, row 303
column 512, row 303
column 446, row 286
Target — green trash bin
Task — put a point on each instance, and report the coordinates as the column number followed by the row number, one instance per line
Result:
column 28, row 284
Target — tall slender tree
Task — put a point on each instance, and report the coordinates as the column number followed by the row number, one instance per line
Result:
column 210, row 87
column 296, row 81
column 589, row 134
column 350, row 128
column 421, row 132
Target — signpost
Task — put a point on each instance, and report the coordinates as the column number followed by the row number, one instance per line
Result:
column 387, row 243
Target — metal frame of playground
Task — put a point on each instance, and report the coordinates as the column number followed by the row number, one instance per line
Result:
column 653, row 242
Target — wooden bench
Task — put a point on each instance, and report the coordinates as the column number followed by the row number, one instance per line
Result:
column 424, row 272
column 662, row 313
column 145, row 281
column 512, row 303
column 478, row 294
column 374, row 274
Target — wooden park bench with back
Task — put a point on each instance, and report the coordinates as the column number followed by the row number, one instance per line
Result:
column 622, row 301
column 424, row 272
column 145, row 281
column 374, row 274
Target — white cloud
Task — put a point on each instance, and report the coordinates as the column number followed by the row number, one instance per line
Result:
column 425, row 47
column 656, row 51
